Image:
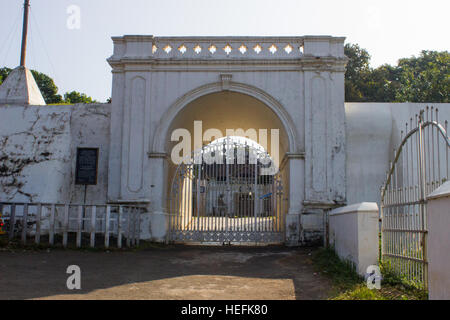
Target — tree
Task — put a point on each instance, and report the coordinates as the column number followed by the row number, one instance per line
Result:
column 76, row 97
column 381, row 84
column 4, row 72
column 417, row 79
column 48, row 88
column 425, row 78
column 357, row 71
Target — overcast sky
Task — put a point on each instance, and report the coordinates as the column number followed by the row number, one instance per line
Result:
column 76, row 58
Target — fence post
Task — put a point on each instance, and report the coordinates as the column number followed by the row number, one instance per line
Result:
column 37, row 236
column 1, row 214
column 24, row 223
column 107, row 218
column 119, row 228
column 12, row 221
column 51, row 232
column 65, row 225
column 80, row 225
column 424, row 199
column 139, row 228
column 93, row 218
column 130, row 212
column 135, row 213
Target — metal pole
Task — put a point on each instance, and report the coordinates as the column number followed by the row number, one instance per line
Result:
column 26, row 7
column 423, row 200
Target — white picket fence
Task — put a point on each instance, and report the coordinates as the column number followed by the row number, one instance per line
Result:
column 85, row 223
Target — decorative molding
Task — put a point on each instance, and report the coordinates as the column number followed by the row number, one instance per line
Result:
column 226, row 79
column 157, row 144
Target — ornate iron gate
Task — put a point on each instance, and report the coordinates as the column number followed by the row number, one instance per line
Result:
column 420, row 166
column 226, row 193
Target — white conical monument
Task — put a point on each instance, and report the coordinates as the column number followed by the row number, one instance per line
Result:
column 20, row 87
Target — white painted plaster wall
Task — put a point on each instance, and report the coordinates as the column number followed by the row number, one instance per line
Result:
column 38, row 151
column 353, row 231
column 438, row 244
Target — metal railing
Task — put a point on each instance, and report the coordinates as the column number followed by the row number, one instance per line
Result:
column 421, row 165
column 81, row 225
column 220, row 196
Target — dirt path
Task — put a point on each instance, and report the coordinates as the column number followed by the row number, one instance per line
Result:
column 175, row 272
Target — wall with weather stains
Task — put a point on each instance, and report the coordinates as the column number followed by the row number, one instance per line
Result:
column 38, row 151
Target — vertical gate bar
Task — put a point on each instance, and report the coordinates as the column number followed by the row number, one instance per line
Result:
column 24, row 223
column 222, row 188
column 107, row 221
column 423, row 197
column 189, row 197
column 51, row 232
column 438, row 151
column 37, row 236
column 93, row 220
column 183, row 195
column 446, row 150
column 119, row 227
column 210, row 193
column 227, row 175
column 186, row 198
column 430, row 146
column 12, row 221
column 426, row 147
column 255, row 212
column 80, row 224
column 179, row 207
column 196, row 225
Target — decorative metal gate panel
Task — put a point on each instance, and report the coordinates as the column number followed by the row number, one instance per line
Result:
column 226, row 193
column 420, row 166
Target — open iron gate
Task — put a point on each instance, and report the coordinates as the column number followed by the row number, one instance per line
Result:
column 224, row 194
column 420, row 166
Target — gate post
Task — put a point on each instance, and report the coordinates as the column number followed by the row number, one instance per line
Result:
column 156, row 222
column 296, row 181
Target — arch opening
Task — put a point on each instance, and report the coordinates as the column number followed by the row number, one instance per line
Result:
column 227, row 201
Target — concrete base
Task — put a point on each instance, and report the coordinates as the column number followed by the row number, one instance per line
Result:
column 438, row 245
column 155, row 226
column 353, row 231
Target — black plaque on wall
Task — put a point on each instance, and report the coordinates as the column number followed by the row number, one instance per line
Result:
column 87, row 166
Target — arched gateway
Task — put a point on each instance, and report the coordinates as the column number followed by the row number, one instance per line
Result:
column 222, row 194
column 252, row 85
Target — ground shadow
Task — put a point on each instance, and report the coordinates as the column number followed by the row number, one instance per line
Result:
column 165, row 272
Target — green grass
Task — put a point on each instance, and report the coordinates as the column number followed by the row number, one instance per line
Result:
column 348, row 285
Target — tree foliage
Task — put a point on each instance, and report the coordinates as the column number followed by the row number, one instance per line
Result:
column 76, row 97
column 425, row 78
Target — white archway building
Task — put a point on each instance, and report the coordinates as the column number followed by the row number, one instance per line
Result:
column 299, row 79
